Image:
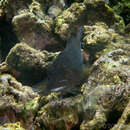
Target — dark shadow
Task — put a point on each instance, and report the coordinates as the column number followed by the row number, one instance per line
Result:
column 8, row 37
column 112, row 119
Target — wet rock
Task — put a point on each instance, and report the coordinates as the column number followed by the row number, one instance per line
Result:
column 11, row 8
column 96, row 38
column 111, row 71
column 54, row 11
column 121, row 8
column 33, row 30
column 52, row 116
column 27, row 63
column 100, row 103
column 11, row 126
column 112, row 67
column 87, row 13
column 67, row 18
column 17, row 102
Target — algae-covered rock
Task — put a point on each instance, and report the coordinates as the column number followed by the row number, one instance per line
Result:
column 34, row 30
column 87, row 13
column 29, row 63
column 46, row 24
column 100, row 104
column 96, row 34
column 110, row 78
column 11, row 8
column 122, row 8
column 68, row 19
column 17, row 102
column 112, row 66
column 60, row 115
column 96, row 38
column 12, row 126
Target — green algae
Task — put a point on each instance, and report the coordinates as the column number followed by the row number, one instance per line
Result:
column 122, row 8
column 12, row 126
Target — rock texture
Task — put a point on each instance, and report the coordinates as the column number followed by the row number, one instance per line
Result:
column 33, row 34
column 28, row 64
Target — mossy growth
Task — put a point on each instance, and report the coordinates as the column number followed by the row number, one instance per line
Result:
column 122, row 8
column 30, row 107
column 12, row 126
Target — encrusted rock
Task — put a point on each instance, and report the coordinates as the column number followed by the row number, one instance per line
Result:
column 101, row 102
column 17, row 102
column 89, row 13
column 121, row 8
column 11, row 126
column 34, row 30
column 11, row 8
column 27, row 63
column 60, row 115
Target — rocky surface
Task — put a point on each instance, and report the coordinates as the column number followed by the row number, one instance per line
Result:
column 33, row 33
column 33, row 64
column 12, row 126
column 17, row 101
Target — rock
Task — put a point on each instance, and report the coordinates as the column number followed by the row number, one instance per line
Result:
column 30, row 22
column 54, row 11
column 112, row 66
column 52, row 116
column 97, row 34
column 11, row 8
column 17, row 102
column 33, row 30
column 67, row 18
column 88, row 13
column 11, row 126
column 95, row 39
column 27, row 63
column 100, row 103
column 111, row 71
column 91, row 110
column 122, row 9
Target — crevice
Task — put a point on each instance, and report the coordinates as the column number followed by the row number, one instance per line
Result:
column 112, row 119
column 69, row 2
column 8, row 37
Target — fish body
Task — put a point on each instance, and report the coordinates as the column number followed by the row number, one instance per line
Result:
column 66, row 70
